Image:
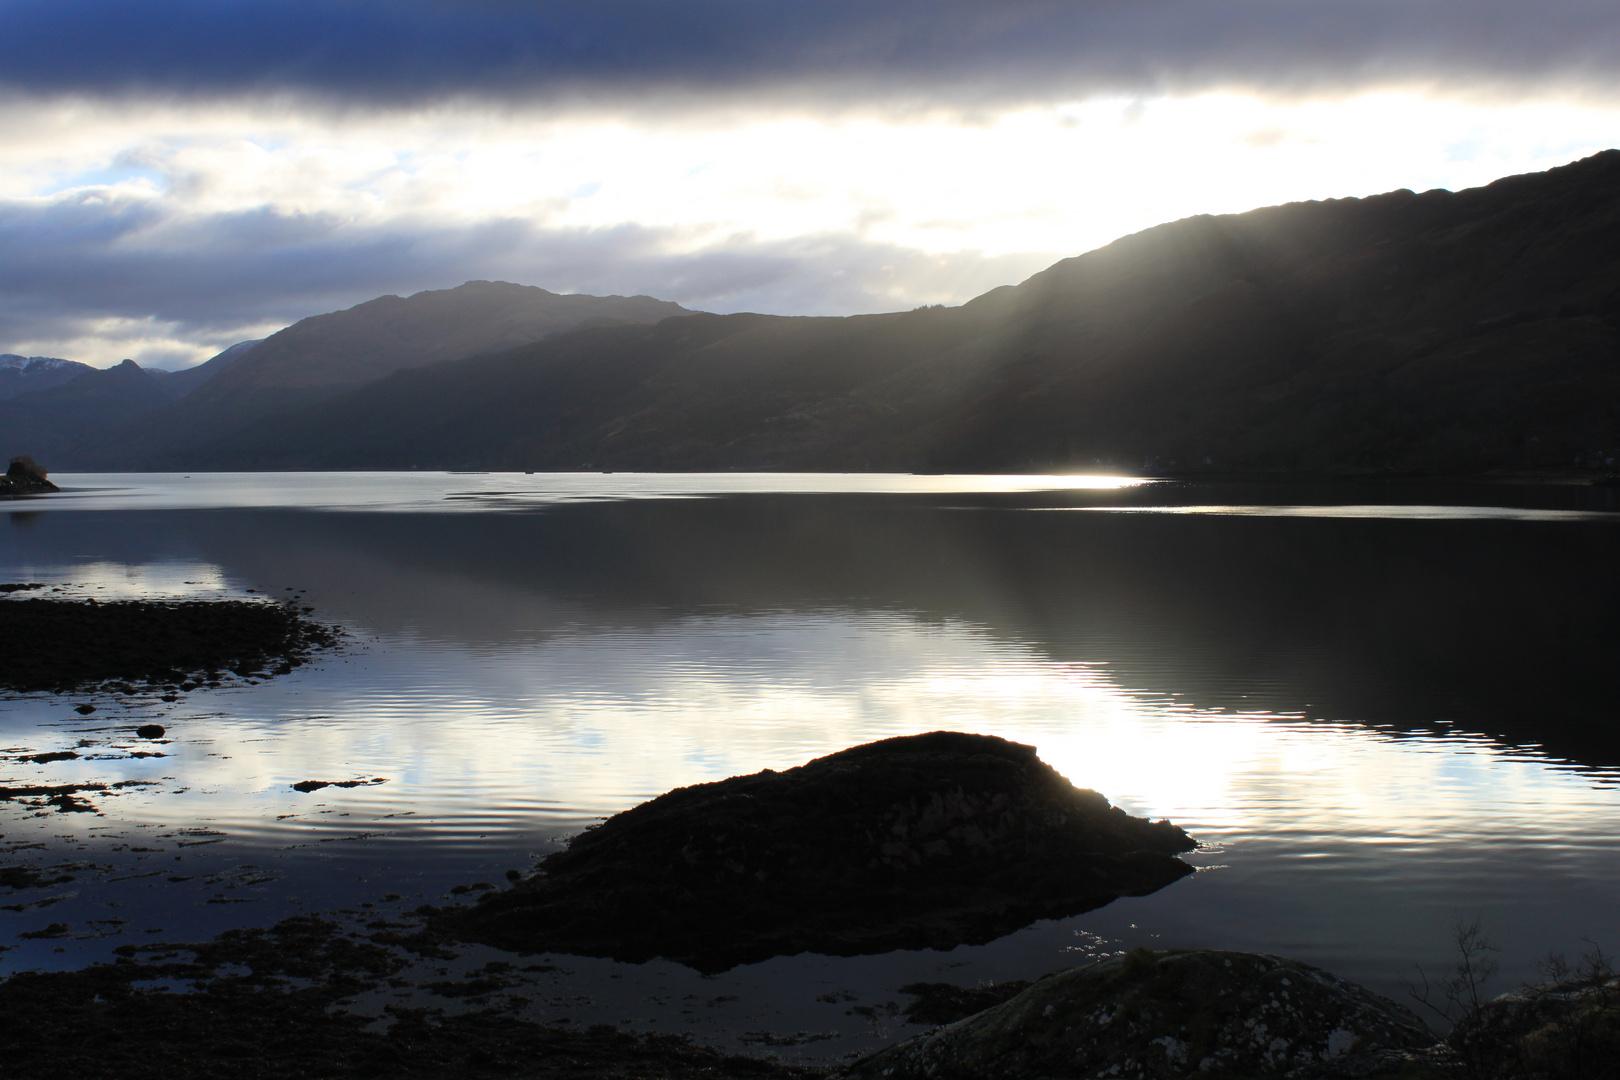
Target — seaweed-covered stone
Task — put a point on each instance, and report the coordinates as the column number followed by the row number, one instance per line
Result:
column 1163, row 1015
column 926, row 841
column 62, row 644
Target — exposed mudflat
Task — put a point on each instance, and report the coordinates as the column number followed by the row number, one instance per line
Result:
column 77, row 644
column 926, row 841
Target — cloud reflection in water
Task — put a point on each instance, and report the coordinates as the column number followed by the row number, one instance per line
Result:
column 1297, row 692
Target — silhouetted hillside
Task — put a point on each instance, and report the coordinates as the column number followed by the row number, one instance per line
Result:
column 325, row 355
column 1443, row 331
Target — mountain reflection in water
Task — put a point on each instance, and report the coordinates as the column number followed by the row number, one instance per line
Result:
column 1374, row 720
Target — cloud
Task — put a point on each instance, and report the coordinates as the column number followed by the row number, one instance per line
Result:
column 971, row 51
column 165, row 231
column 179, row 174
column 109, row 277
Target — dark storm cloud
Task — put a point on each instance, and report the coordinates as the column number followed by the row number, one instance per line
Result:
column 75, row 260
column 409, row 50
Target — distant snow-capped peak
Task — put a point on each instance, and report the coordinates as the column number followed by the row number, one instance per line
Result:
column 31, row 364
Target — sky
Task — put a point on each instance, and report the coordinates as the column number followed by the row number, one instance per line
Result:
column 179, row 175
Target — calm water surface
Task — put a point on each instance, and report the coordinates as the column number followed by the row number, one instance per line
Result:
column 1379, row 707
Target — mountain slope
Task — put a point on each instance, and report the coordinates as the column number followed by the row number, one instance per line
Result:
column 1443, row 332
column 345, row 349
column 326, row 355
column 48, row 424
column 182, row 382
column 26, row 374
column 63, row 404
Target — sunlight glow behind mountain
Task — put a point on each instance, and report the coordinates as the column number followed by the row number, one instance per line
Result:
column 210, row 222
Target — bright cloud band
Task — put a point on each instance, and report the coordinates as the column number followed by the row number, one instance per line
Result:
column 162, row 209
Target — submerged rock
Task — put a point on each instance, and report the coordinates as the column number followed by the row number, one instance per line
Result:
column 926, row 841
column 25, row 476
column 1171, row 1014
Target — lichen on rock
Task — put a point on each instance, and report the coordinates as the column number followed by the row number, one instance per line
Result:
column 1566, row 1028
column 1164, row 1015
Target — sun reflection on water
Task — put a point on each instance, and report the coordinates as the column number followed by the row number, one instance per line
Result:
column 505, row 717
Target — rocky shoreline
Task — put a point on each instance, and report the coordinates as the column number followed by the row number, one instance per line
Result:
column 268, row 1004
column 939, row 839
column 174, row 646
column 272, row 1003
column 922, row 841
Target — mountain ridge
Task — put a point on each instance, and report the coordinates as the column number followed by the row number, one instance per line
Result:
column 67, row 403
column 182, row 382
column 328, row 354
column 25, row 374
column 50, row 423
column 1439, row 332
column 1442, row 332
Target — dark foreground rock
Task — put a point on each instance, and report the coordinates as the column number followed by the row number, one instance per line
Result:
column 1172, row 1014
column 254, row 1004
column 64, row 644
column 25, row 477
column 927, row 841
column 1566, row 1029
column 946, row 1003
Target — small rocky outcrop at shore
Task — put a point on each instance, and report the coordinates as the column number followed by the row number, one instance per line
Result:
column 1168, row 1015
column 926, row 841
column 66, row 644
column 25, row 476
